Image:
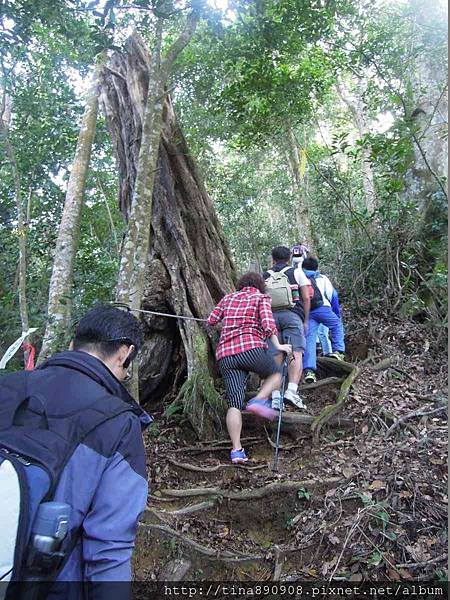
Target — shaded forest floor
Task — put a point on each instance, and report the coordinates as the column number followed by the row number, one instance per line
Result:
column 363, row 502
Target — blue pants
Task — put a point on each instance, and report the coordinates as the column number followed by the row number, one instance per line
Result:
column 322, row 336
column 322, row 315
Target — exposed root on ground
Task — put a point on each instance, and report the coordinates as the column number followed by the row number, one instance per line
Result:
column 271, row 488
column 320, row 383
column 224, row 556
column 195, row 468
column 332, row 409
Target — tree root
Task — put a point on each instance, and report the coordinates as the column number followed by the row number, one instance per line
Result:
column 225, row 556
column 384, row 364
column 332, row 409
column 189, row 467
column 335, row 365
column 296, row 418
column 278, row 563
column 199, row 449
column 320, row 383
column 253, row 494
column 411, row 415
column 186, row 510
column 281, row 446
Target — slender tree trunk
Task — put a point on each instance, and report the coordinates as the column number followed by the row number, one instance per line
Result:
column 189, row 267
column 357, row 111
column 21, row 213
column 60, row 290
column 304, row 220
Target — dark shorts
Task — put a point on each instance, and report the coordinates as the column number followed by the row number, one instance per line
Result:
column 236, row 369
column 289, row 325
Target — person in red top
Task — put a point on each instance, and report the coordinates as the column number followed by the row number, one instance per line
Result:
column 247, row 324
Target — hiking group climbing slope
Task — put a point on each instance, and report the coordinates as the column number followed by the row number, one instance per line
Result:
column 73, row 478
column 287, row 303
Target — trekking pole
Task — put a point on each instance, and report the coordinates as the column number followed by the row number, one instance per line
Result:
column 283, row 385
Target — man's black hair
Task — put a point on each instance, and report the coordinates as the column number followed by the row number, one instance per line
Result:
column 281, row 254
column 105, row 328
column 311, row 263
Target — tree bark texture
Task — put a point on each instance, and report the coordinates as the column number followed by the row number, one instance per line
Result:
column 427, row 179
column 356, row 108
column 304, row 220
column 189, row 267
column 60, row 290
column 21, row 213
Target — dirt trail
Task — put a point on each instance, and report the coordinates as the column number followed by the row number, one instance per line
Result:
column 365, row 501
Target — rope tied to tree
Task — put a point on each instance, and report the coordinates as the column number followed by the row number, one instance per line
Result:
column 159, row 314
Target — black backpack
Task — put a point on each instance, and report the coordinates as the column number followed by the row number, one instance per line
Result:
column 35, row 446
column 316, row 296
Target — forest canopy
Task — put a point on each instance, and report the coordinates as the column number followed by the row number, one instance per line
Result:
column 323, row 121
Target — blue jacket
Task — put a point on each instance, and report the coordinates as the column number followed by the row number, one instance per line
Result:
column 329, row 292
column 105, row 480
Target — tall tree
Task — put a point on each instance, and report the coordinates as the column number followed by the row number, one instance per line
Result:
column 305, row 230
column 60, row 291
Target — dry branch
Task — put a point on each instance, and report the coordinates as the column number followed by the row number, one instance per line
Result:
column 412, row 415
column 441, row 558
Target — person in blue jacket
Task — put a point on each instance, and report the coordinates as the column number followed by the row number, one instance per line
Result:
column 328, row 315
column 105, row 480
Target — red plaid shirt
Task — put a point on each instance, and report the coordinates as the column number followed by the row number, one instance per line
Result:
column 247, row 321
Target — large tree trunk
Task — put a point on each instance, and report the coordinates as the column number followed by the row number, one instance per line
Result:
column 60, row 290
column 189, row 264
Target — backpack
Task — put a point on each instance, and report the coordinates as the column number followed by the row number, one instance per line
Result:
column 315, row 294
column 279, row 288
column 35, row 446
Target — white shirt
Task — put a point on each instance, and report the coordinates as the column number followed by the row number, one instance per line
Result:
column 300, row 276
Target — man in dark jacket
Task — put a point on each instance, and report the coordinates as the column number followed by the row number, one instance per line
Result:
column 105, row 480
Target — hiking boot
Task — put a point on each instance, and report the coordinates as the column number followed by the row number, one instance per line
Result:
column 238, row 456
column 294, row 399
column 337, row 355
column 310, row 376
column 262, row 408
column 276, row 403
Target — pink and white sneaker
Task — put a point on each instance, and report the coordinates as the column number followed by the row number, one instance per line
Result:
column 262, row 408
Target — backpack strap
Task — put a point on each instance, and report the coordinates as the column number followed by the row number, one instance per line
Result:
column 285, row 269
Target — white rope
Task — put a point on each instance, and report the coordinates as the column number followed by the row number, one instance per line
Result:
column 161, row 314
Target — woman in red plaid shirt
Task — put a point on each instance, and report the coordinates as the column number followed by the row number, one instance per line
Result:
column 247, row 324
